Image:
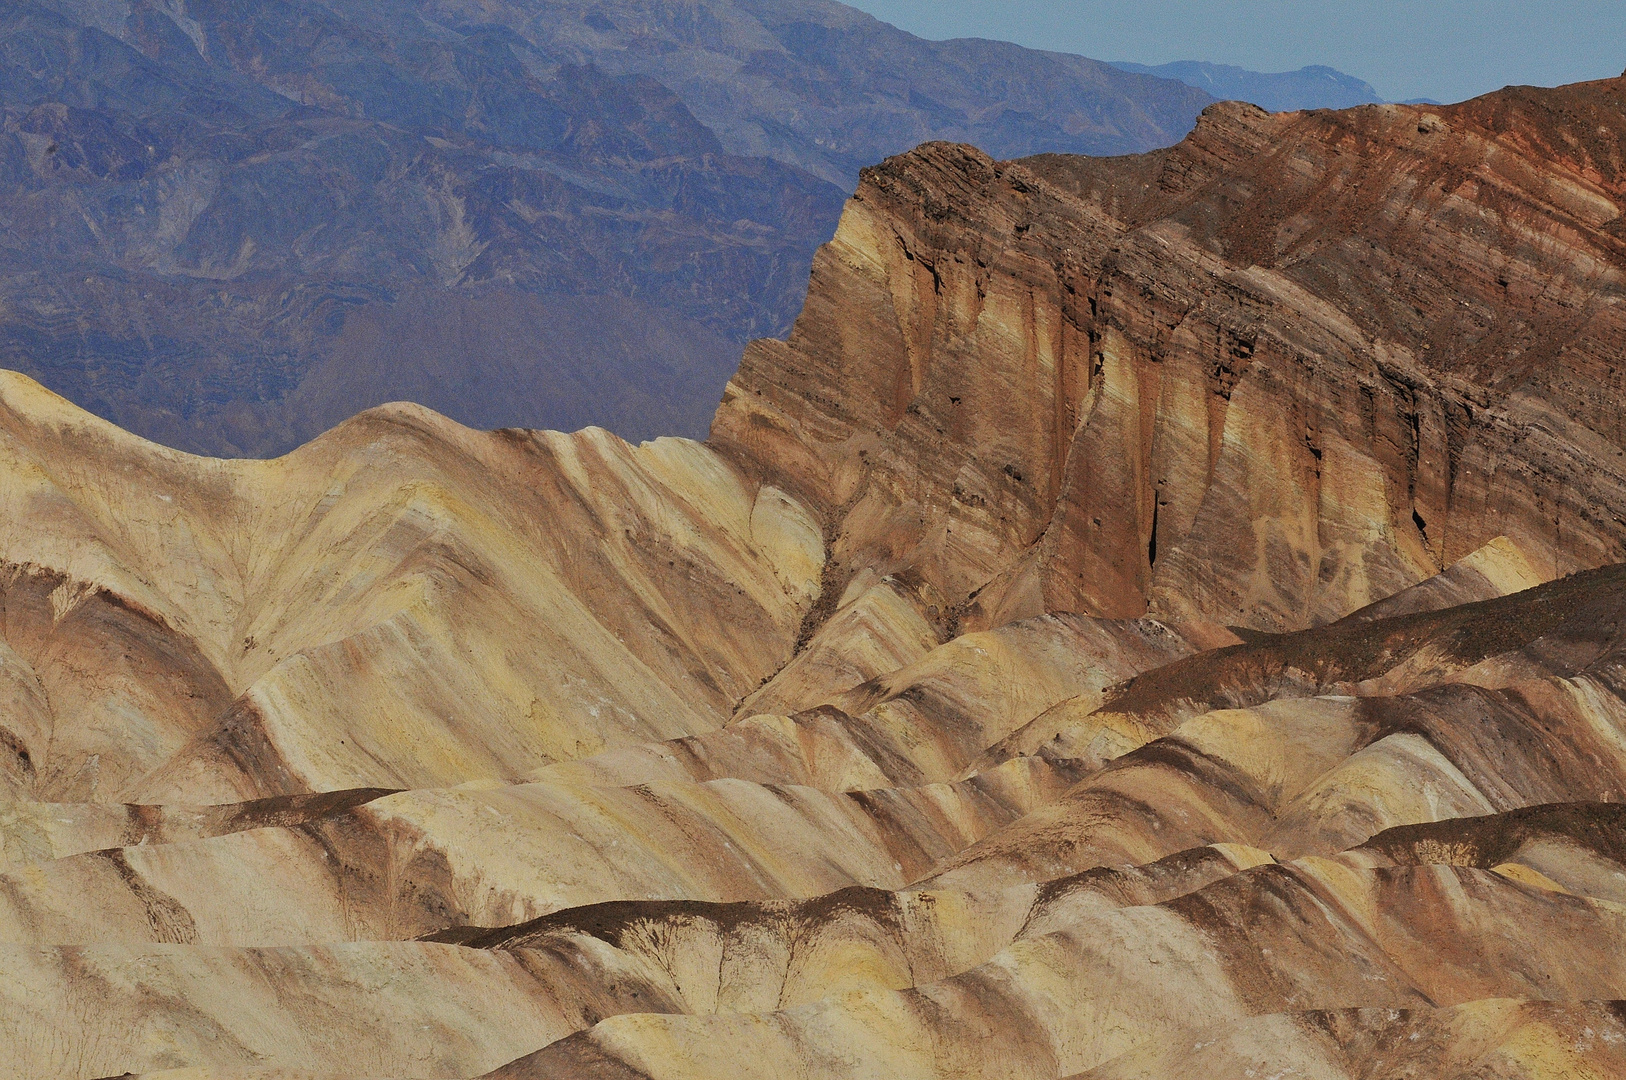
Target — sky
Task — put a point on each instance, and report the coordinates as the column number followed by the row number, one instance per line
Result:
column 1448, row 50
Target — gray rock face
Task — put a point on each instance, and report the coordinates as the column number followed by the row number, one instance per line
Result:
column 228, row 226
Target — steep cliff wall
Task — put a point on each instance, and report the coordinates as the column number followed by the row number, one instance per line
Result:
column 1282, row 370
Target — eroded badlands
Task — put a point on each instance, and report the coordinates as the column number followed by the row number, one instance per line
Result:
column 1154, row 617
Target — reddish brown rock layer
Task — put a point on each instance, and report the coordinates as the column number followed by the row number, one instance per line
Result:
column 1280, row 371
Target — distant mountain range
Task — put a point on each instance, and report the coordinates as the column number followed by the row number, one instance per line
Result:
column 227, row 227
column 1314, row 87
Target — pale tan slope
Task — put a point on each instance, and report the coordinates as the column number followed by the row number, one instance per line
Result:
column 677, row 957
column 1577, row 848
column 1491, row 1039
column 249, row 1072
column 764, row 956
column 419, row 862
column 205, row 1072
column 1319, row 775
column 1522, row 904
column 42, row 832
column 1500, row 568
column 872, row 631
column 1094, row 987
column 923, row 722
column 401, row 603
column 1509, row 638
column 1315, row 772
column 375, row 1009
column 572, row 969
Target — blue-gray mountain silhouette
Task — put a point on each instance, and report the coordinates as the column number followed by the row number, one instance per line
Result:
column 1314, row 87
column 227, row 226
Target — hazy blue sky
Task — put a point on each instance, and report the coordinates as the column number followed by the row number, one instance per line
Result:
column 1443, row 49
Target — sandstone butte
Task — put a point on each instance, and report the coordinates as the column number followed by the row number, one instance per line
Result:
column 1155, row 617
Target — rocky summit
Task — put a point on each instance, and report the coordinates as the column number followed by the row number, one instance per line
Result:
column 1154, row 617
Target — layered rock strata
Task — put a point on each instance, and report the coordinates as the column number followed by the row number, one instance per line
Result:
column 1280, row 371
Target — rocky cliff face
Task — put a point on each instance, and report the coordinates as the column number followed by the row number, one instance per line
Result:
column 898, row 731
column 1280, row 371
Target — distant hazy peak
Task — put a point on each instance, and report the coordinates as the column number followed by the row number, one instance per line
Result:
column 1314, row 87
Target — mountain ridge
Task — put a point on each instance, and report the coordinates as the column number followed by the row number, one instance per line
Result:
column 1315, row 86
column 227, row 225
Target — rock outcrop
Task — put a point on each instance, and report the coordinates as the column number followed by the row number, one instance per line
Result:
column 1281, row 371
column 1155, row 617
